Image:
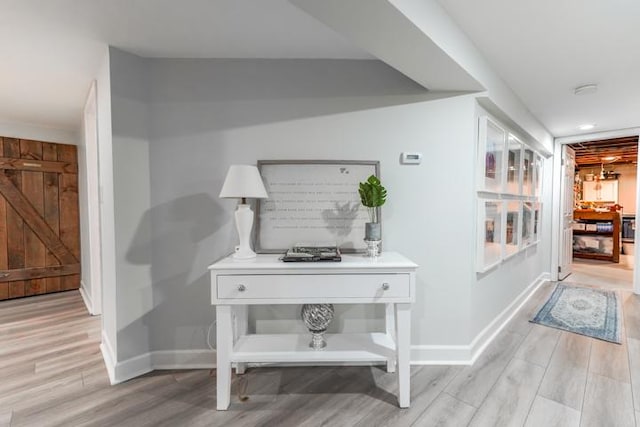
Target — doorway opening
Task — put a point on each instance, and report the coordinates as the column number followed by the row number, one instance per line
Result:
column 600, row 232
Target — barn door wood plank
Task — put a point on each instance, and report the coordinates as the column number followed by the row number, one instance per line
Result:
column 33, row 190
column 33, row 273
column 15, row 224
column 4, row 262
column 69, row 215
column 22, row 206
column 38, row 165
column 51, row 215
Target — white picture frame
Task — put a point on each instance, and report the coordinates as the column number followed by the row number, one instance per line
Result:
column 491, row 149
column 513, row 165
column 512, row 214
column 312, row 201
column 538, row 175
column 526, row 229
column 528, row 171
column 517, row 188
column 490, row 234
column 537, row 221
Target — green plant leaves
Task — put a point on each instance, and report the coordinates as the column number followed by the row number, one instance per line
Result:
column 372, row 193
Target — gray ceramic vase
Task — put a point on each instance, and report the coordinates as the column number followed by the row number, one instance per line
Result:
column 372, row 231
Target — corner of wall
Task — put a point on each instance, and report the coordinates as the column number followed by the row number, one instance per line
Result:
column 488, row 334
column 156, row 360
column 468, row 354
column 108, row 356
column 86, row 297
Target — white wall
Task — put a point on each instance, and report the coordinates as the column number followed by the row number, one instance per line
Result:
column 183, row 122
column 89, row 190
column 107, row 222
column 496, row 289
column 131, row 195
column 208, row 114
column 40, row 133
column 83, row 202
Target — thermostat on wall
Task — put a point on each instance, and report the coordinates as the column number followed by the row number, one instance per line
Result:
column 411, row 158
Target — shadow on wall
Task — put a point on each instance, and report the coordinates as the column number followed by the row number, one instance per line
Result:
column 191, row 104
column 261, row 91
column 178, row 228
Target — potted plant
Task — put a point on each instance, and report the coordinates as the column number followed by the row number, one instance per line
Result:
column 372, row 195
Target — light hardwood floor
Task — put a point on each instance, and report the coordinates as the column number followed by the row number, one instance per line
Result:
column 52, row 374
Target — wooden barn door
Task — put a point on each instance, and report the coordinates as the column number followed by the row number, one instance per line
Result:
column 39, row 223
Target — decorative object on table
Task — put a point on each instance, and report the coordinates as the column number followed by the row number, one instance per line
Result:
column 592, row 312
column 373, row 247
column 316, row 318
column 303, row 252
column 312, row 201
column 243, row 182
column 372, row 195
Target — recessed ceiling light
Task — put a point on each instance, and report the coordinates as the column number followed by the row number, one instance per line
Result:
column 610, row 158
column 587, row 126
column 586, row 89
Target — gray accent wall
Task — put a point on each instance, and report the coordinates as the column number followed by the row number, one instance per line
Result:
column 131, row 196
column 179, row 124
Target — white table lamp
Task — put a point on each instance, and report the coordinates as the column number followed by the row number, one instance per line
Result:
column 243, row 182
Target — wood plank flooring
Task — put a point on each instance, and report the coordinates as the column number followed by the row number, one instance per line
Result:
column 52, row 374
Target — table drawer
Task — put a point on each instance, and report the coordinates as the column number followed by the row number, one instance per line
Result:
column 285, row 286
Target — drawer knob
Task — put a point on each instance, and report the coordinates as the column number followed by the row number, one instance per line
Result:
column 242, row 288
column 385, row 286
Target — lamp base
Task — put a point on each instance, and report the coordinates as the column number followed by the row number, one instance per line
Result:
column 244, row 223
column 245, row 254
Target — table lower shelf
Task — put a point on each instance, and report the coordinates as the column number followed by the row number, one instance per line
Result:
column 294, row 348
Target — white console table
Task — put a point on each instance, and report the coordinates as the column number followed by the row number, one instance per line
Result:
column 235, row 284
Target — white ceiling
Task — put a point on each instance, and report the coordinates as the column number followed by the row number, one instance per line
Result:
column 51, row 49
column 543, row 49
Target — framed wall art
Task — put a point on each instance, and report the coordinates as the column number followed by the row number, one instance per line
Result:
column 509, row 187
column 526, row 231
column 537, row 212
column 489, row 233
column 537, row 175
column 312, row 201
column 513, row 209
column 528, row 166
column 514, row 166
column 490, row 156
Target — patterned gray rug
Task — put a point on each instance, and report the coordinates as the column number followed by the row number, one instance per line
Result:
column 591, row 312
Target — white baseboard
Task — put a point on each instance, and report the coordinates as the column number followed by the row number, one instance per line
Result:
column 420, row 354
column 86, row 298
column 467, row 354
column 487, row 335
column 440, row 355
column 131, row 368
column 109, row 357
column 155, row 360
column 183, row 359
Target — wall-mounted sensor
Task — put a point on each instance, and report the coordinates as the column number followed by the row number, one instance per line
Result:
column 411, row 158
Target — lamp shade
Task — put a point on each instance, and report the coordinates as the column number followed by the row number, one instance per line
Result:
column 243, row 181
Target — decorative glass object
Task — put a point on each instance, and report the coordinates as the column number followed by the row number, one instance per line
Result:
column 373, row 247
column 317, row 318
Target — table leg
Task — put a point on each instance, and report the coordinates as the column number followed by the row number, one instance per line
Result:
column 403, row 342
column 390, row 324
column 242, row 326
column 224, row 346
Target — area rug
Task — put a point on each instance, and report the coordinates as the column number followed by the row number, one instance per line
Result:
column 591, row 312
